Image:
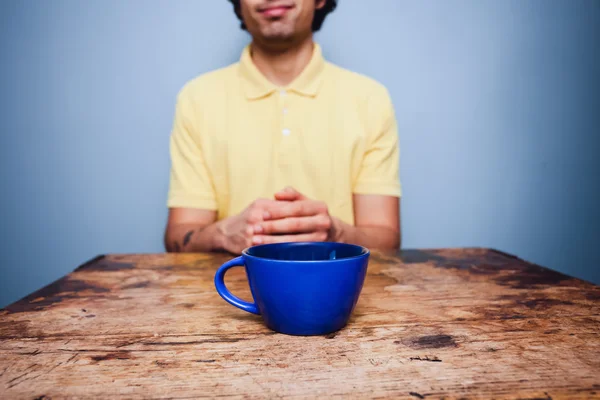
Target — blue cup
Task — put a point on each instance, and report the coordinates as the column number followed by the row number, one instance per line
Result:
column 300, row 288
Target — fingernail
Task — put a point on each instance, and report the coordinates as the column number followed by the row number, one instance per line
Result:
column 266, row 215
column 258, row 228
column 256, row 240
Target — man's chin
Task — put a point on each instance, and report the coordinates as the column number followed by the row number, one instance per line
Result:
column 279, row 40
column 278, row 34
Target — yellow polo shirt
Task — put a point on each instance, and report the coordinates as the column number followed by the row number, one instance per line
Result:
column 237, row 137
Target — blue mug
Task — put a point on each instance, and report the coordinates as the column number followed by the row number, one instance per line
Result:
column 300, row 288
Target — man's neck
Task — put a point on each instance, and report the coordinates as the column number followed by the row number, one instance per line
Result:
column 281, row 67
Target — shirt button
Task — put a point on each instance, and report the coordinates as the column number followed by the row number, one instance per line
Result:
column 282, row 92
column 285, row 111
column 286, row 132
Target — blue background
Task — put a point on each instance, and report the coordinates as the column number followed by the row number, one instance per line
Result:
column 498, row 105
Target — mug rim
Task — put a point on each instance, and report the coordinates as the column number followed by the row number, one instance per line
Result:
column 365, row 252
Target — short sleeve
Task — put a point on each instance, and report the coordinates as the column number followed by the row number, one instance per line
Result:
column 379, row 168
column 190, row 184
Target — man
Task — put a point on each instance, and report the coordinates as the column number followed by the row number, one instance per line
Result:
column 283, row 146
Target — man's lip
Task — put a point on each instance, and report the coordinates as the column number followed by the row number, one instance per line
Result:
column 275, row 10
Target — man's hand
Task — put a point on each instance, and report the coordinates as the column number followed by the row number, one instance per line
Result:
column 238, row 232
column 197, row 230
column 376, row 218
column 296, row 218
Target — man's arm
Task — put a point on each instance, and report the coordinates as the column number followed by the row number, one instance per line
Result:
column 191, row 230
column 197, row 230
column 377, row 222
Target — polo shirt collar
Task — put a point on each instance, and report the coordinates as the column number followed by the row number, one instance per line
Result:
column 307, row 83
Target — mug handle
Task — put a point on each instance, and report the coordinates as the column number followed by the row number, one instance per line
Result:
column 226, row 294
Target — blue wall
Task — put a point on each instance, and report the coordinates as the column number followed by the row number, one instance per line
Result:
column 498, row 105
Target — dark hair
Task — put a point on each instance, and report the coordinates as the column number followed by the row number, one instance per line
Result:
column 320, row 14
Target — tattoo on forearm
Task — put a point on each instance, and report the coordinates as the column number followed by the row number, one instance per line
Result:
column 187, row 237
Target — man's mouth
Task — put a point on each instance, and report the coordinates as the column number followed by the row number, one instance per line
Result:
column 275, row 11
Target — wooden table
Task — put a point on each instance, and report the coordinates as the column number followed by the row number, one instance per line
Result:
column 460, row 323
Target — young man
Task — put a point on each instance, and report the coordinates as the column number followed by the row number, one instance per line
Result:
column 283, row 146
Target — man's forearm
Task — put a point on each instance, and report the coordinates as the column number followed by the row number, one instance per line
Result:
column 191, row 238
column 375, row 237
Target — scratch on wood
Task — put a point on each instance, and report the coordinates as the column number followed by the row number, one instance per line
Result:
column 129, row 343
column 428, row 342
column 14, row 379
column 118, row 355
column 347, row 358
column 551, row 331
column 417, row 395
column 426, row 358
column 32, row 353
column 72, row 358
column 162, row 363
column 104, row 350
column 194, row 342
column 25, row 373
column 13, row 383
column 138, row 285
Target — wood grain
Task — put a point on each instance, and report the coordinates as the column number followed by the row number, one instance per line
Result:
column 455, row 323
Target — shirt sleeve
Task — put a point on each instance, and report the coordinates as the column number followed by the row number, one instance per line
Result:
column 379, row 170
column 190, row 184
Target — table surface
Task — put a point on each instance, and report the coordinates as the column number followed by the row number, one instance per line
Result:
column 448, row 323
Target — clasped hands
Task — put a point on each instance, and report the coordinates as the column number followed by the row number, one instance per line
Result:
column 289, row 217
